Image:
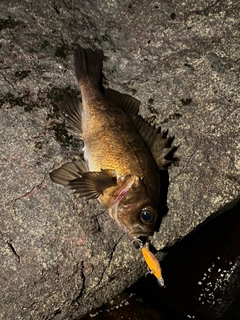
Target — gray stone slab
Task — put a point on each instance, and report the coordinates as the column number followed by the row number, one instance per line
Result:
column 61, row 256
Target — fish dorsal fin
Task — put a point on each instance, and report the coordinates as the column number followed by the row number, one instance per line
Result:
column 127, row 103
column 86, row 183
column 72, row 111
column 162, row 149
column 156, row 140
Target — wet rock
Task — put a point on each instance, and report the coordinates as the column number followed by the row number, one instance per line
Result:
column 202, row 275
column 61, row 256
column 127, row 305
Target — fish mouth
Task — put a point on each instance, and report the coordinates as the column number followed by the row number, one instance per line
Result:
column 138, row 231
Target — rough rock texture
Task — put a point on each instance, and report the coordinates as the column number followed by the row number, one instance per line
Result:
column 61, row 256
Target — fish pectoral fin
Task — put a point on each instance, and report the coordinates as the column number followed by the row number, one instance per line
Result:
column 71, row 109
column 76, row 176
column 92, row 184
column 68, row 172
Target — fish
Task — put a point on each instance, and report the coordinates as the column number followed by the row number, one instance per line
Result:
column 123, row 154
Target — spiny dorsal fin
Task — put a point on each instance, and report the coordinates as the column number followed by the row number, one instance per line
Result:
column 87, row 184
column 157, row 141
column 72, row 111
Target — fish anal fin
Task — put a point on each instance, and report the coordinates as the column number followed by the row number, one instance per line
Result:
column 71, row 109
column 85, row 183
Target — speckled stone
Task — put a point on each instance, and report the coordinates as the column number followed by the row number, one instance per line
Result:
column 61, row 256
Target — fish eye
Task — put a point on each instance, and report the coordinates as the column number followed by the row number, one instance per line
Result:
column 147, row 215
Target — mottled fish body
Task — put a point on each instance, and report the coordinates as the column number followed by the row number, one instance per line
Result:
column 122, row 152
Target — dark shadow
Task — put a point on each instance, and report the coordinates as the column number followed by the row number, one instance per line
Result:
column 162, row 204
column 201, row 273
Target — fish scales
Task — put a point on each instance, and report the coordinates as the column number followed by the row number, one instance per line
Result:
column 122, row 152
column 121, row 145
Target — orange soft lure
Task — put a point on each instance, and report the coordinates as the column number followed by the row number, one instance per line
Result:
column 153, row 265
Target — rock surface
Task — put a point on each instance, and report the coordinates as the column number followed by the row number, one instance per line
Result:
column 61, row 256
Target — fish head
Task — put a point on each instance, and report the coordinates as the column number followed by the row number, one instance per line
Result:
column 135, row 207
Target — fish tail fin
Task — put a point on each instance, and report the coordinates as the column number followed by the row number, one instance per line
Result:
column 88, row 64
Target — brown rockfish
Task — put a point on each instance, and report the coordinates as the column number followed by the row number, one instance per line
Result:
column 122, row 152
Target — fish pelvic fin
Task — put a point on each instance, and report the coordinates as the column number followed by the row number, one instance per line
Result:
column 157, row 141
column 85, row 183
column 88, row 64
column 71, row 109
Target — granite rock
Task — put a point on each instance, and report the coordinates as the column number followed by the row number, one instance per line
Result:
column 61, row 256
